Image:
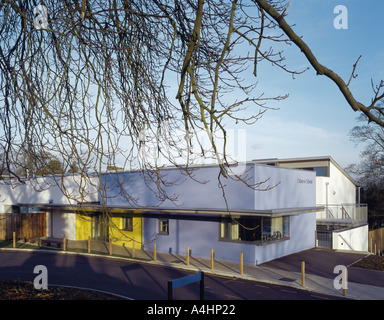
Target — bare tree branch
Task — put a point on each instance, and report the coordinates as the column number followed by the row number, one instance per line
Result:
column 323, row 70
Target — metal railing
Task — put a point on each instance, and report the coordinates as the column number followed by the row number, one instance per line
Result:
column 349, row 213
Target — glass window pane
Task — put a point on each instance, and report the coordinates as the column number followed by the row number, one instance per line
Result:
column 128, row 223
column 234, row 231
column 251, row 229
column 285, row 227
column 163, row 227
column 275, row 228
column 223, row 229
column 320, row 171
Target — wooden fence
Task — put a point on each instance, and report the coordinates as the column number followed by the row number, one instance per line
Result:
column 8, row 224
column 376, row 241
column 28, row 225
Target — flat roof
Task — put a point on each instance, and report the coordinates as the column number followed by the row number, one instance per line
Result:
column 278, row 212
column 305, row 159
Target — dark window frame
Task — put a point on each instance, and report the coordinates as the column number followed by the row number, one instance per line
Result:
column 127, row 224
column 249, row 233
column 163, row 227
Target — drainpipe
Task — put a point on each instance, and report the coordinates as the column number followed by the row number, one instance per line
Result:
column 358, row 196
column 326, row 195
column 358, row 210
column 51, row 222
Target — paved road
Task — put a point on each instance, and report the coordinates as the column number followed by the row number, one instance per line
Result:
column 136, row 280
column 321, row 262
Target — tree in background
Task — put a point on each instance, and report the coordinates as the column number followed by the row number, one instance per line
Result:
column 370, row 171
column 29, row 166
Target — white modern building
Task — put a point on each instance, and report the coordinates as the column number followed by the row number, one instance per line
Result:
column 275, row 219
column 342, row 221
column 302, row 203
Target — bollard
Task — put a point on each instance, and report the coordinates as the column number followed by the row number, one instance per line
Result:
column 89, row 244
column 110, row 248
column 344, row 282
column 303, row 274
column 211, row 259
column 241, row 263
column 14, row 239
column 187, row 256
column 154, row 252
column 64, row 243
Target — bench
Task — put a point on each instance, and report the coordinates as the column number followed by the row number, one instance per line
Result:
column 50, row 242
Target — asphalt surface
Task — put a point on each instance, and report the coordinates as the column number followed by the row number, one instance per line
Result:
column 321, row 262
column 138, row 280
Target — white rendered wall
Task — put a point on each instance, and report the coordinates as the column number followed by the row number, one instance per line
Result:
column 281, row 188
column 61, row 223
column 46, row 190
column 354, row 239
column 340, row 189
column 290, row 188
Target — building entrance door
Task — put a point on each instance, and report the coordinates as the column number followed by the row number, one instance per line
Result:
column 100, row 227
column 324, row 238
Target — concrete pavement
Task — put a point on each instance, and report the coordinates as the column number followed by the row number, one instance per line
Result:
column 286, row 271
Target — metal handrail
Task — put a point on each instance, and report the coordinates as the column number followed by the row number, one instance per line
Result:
column 346, row 212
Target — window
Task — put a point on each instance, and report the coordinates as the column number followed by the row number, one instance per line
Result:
column 229, row 230
column 241, row 229
column 253, row 229
column 275, row 228
column 163, row 226
column 128, row 223
column 99, row 226
column 320, row 171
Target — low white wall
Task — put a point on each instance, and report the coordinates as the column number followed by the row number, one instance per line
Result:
column 60, row 223
column 354, row 239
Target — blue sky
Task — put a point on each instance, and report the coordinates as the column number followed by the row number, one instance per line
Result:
column 315, row 120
